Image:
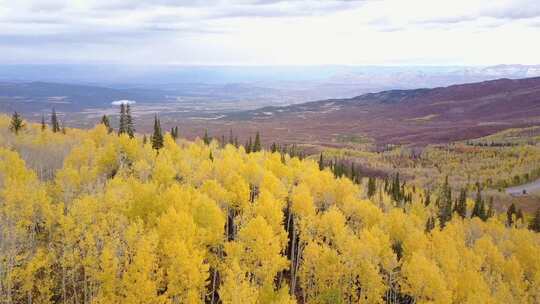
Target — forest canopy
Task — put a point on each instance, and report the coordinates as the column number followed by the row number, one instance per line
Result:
column 91, row 216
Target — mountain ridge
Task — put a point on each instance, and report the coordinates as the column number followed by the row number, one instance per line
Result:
column 419, row 116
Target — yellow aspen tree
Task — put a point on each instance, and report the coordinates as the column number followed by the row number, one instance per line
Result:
column 186, row 272
column 424, row 281
column 236, row 287
column 142, row 277
column 258, row 250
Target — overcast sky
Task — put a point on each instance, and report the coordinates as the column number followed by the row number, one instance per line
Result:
column 262, row 32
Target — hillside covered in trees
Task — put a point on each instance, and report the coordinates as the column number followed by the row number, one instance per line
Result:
column 92, row 216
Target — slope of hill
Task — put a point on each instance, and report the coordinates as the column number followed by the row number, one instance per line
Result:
column 407, row 116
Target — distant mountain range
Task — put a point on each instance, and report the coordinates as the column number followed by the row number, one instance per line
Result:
column 173, row 76
column 73, row 88
column 399, row 113
column 416, row 116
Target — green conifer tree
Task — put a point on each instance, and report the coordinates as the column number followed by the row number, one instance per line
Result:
column 122, row 125
column 174, row 132
column 257, row 144
column 372, row 187
column 427, row 200
column 249, row 146
column 54, row 122
column 535, row 222
column 16, row 123
column 206, row 138
column 461, row 204
column 130, row 125
column 321, row 162
column 105, row 121
column 354, row 176
column 430, row 224
column 510, row 215
column 43, row 123
column 479, row 208
column 157, row 136
column 231, row 138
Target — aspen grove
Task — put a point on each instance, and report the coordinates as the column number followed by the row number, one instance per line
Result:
column 93, row 216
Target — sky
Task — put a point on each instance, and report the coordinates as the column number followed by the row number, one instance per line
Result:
column 270, row 32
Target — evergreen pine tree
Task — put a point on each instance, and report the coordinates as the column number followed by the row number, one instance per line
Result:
column 445, row 212
column 144, row 139
column 510, row 215
column 427, row 200
column 461, row 204
column 479, row 208
column 231, row 139
column 341, row 170
column 211, row 157
column 483, row 211
column 372, row 187
column 249, row 146
column 206, row 138
column 122, row 125
column 16, row 123
column 105, row 121
column 63, row 129
column 157, row 136
column 236, row 142
column 274, row 147
column 257, row 143
column 43, row 124
column 130, row 126
column 396, row 189
column 54, row 122
column 430, row 224
column 321, row 162
column 535, row 222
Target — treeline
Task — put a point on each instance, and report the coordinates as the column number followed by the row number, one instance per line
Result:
column 392, row 186
column 491, row 144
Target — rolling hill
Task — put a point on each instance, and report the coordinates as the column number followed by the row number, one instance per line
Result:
column 419, row 116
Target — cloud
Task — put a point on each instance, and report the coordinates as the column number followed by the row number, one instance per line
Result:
column 123, row 101
column 258, row 31
column 445, row 14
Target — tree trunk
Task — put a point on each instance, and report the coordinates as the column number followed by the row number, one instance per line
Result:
column 294, row 261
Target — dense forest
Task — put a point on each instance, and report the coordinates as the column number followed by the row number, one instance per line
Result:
column 112, row 216
column 494, row 163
